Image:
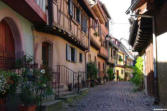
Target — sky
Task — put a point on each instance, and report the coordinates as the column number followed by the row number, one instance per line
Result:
column 119, row 27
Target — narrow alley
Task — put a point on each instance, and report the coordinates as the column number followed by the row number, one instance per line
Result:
column 114, row 96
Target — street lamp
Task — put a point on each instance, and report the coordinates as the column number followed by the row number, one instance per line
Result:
column 154, row 53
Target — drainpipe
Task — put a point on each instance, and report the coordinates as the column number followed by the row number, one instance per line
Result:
column 155, row 62
column 88, row 48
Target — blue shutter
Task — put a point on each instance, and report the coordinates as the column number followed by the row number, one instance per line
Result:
column 68, row 52
column 70, row 7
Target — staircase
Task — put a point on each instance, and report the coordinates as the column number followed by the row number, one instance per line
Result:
column 63, row 78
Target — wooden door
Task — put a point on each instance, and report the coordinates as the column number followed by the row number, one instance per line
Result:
column 45, row 53
column 7, row 46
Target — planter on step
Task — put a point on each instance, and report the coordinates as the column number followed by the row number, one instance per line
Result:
column 27, row 108
column 2, row 105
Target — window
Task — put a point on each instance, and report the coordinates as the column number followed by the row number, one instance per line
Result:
column 107, row 24
column 71, row 54
column 122, row 71
column 94, row 24
column 70, row 8
column 78, row 15
column 103, row 66
column 84, row 24
column 99, row 66
column 80, row 57
column 99, row 30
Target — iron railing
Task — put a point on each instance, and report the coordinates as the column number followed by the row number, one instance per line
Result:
column 63, row 78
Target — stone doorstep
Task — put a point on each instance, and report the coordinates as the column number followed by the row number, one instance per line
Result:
column 48, row 105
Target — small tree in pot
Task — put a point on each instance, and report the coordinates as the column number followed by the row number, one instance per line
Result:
column 110, row 73
column 92, row 72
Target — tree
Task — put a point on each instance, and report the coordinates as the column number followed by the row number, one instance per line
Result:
column 110, row 73
column 92, row 71
column 137, row 78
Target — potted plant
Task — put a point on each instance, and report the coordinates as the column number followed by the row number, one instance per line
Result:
column 92, row 73
column 35, row 86
column 8, row 85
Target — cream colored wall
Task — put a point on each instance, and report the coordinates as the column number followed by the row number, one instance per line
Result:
column 23, row 26
column 120, row 74
column 93, row 52
column 59, row 51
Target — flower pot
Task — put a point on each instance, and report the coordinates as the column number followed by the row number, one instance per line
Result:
column 2, row 105
column 27, row 108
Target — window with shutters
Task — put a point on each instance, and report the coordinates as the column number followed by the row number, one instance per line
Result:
column 84, row 24
column 70, row 8
column 78, row 15
column 99, row 30
column 71, row 53
column 80, row 57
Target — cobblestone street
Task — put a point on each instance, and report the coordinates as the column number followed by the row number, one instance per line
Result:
column 113, row 96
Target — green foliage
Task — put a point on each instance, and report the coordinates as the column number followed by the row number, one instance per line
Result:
column 137, row 78
column 110, row 73
column 120, row 59
column 8, row 83
column 34, row 83
column 92, row 71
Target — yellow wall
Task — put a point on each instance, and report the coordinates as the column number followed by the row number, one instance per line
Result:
column 59, row 51
column 123, row 58
column 93, row 52
column 121, row 75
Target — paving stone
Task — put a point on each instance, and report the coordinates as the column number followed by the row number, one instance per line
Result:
column 114, row 96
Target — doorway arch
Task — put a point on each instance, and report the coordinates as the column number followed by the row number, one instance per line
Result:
column 10, row 43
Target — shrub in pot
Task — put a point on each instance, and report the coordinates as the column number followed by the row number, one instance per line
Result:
column 35, row 86
column 8, row 84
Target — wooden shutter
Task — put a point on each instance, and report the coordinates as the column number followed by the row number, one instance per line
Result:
column 70, row 7
column 68, row 52
column 75, row 59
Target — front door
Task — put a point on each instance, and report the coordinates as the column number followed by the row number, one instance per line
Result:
column 45, row 53
column 7, row 46
column 117, row 75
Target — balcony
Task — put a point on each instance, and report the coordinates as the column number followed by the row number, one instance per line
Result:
column 69, row 28
column 33, row 10
column 95, row 39
column 103, row 53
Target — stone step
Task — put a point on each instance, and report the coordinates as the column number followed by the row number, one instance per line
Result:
column 52, row 105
